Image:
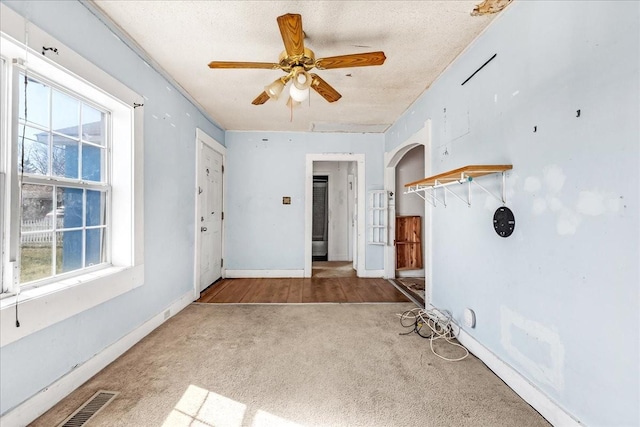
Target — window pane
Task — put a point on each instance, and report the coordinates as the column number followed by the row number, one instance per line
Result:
column 65, row 157
column 96, row 204
column 37, row 203
column 68, row 251
column 36, row 150
column 65, row 114
column 37, row 102
column 94, row 247
column 92, row 163
column 35, row 256
column 72, row 201
column 93, row 125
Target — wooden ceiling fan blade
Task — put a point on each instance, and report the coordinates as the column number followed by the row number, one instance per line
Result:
column 353, row 60
column 261, row 99
column 231, row 64
column 324, row 89
column 292, row 34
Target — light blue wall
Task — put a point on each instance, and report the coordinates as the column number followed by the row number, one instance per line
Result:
column 262, row 233
column 34, row 362
column 558, row 300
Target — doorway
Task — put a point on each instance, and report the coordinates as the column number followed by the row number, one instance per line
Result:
column 409, row 162
column 334, row 178
column 333, row 203
column 320, row 237
column 209, row 211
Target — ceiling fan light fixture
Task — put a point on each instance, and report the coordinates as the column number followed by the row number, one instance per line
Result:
column 274, row 89
column 301, row 79
column 298, row 94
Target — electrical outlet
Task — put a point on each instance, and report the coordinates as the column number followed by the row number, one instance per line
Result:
column 469, row 318
column 167, row 314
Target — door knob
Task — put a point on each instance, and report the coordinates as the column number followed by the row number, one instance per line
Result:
column 202, row 229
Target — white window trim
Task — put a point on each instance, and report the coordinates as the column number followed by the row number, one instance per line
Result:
column 38, row 179
column 40, row 307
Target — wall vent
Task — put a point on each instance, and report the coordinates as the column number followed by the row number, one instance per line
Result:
column 89, row 409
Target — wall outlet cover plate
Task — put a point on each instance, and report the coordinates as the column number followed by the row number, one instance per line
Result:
column 469, row 318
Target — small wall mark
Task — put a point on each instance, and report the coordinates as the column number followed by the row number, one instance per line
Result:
column 554, row 178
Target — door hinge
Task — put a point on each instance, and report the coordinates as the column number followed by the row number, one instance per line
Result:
column 222, row 216
column 222, row 168
column 221, row 262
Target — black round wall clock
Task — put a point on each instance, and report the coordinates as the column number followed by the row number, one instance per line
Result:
column 504, row 222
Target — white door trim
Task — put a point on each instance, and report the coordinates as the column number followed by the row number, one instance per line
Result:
column 308, row 205
column 391, row 160
column 201, row 136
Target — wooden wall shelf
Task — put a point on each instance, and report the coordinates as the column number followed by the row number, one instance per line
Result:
column 462, row 175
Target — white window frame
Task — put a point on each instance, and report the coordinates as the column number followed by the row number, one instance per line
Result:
column 42, row 306
column 77, row 183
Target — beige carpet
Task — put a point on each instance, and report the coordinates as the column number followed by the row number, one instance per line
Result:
column 295, row 365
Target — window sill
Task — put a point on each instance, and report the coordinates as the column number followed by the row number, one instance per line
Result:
column 44, row 306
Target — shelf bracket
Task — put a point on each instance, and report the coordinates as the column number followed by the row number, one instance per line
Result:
column 468, row 201
column 467, row 174
column 502, row 200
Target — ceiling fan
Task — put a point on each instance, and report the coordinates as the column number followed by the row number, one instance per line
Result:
column 296, row 61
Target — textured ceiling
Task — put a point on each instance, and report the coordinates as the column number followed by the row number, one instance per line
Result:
column 419, row 39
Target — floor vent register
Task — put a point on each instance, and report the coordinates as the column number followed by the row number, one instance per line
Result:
column 89, row 409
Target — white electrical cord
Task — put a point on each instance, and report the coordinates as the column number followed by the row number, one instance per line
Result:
column 439, row 323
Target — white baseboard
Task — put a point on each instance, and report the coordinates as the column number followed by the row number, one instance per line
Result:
column 250, row 274
column 46, row 398
column 371, row 273
column 410, row 273
column 522, row 386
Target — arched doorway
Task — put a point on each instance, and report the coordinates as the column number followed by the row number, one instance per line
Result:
column 400, row 164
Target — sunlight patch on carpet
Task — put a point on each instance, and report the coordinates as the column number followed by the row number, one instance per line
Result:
column 199, row 406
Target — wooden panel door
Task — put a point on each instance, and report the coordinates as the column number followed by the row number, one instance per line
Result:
column 408, row 243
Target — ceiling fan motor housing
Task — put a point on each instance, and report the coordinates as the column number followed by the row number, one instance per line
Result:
column 306, row 60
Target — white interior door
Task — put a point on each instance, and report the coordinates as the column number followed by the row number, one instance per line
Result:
column 210, row 215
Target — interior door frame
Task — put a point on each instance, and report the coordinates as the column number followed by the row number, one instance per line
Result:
column 359, row 159
column 391, row 160
column 201, row 136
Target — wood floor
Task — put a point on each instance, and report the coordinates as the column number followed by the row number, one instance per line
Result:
column 313, row 290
